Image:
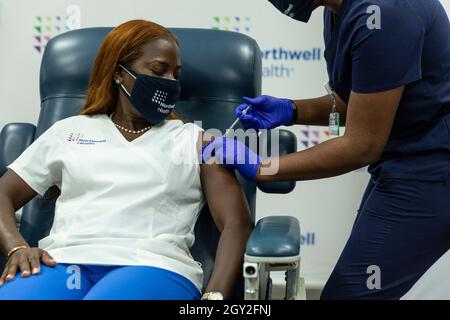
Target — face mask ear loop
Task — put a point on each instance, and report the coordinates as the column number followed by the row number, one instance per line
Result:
column 127, row 71
column 125, row 90
column 123, row 87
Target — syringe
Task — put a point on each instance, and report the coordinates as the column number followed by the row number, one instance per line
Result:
column 244, row 112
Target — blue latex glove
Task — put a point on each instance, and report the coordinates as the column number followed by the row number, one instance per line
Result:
column 265, row 112
column 233, row 154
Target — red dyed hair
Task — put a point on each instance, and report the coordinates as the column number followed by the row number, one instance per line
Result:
column 122, row 45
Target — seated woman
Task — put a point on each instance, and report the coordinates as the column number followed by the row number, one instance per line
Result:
column 124, row 220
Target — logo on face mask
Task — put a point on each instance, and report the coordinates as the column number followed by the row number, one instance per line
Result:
column 288, row 11
column 159, row 97
column 155, row 107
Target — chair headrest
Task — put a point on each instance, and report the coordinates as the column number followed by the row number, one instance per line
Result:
column 216, row 64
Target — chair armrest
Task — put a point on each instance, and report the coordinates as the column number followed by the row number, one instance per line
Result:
column 275, row 237
column 14, row 139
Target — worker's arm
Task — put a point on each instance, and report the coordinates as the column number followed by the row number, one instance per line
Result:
column 369, row 122
column 267, row 112
column 316, row 112
column 370, row 118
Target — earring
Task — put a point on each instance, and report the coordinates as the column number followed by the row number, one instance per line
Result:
column 117, row 81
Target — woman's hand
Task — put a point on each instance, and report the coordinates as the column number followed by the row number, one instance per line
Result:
column 26, row 260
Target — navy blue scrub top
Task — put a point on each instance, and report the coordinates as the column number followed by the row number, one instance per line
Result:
column 412, row 48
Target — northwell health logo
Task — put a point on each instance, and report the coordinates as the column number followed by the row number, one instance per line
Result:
column 278, row 62
column 308, row 239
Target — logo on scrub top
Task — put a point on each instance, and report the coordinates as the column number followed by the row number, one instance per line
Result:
column 78, row 138
column 74, row 137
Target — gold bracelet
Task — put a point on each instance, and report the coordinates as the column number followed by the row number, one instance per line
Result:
column 14, row 250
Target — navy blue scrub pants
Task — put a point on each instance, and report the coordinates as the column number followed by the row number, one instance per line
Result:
column 402, row 228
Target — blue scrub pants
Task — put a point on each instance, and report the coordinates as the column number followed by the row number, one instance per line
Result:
column 402, row 228
column 91, row 282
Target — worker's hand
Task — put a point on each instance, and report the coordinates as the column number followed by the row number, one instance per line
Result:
column 232, row 154
column 27, row 261
column 265, row 112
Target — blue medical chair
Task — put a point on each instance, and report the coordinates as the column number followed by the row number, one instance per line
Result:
column 219, row 68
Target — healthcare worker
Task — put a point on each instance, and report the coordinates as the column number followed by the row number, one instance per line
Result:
column 388, row 64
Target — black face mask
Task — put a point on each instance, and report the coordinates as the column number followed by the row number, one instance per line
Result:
column 153, row 97
column 300, row 10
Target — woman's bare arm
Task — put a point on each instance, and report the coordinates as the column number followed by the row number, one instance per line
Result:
column 231, row 214
column 14, row 194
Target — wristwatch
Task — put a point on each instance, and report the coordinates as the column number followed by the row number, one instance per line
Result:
column 212, row 295
column 294, row 113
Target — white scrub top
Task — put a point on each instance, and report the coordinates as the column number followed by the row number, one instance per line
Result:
column 121, row 202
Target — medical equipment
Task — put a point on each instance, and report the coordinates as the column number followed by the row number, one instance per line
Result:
column 244, row 112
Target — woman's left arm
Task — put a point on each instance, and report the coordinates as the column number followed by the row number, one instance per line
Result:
column 231, row 214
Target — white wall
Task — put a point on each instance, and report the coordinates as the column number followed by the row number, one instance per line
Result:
column 325, row 208
column 446, row 4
